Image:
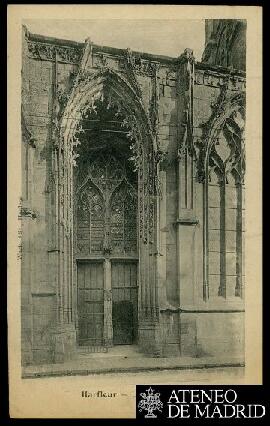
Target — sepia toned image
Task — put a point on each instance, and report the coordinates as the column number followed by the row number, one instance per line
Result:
column 132, row 204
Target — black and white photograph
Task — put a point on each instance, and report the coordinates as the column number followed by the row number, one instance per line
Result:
column 132, row 161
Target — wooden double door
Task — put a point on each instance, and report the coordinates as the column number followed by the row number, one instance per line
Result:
column 107, row 302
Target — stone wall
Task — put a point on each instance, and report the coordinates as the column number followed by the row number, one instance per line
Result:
column 39, row 312
column 188, row 326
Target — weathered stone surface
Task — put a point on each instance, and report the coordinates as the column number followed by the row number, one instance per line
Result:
column 180, row 137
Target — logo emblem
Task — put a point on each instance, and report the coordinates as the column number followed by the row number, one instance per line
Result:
column 150, row 402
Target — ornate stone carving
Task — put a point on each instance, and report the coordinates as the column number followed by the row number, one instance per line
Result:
column 118, row 91
column 170, row 74
column 62, row 98
column 160, row 156
column 186, row 144
column 26, row 212
column 143, row 67
column 154, row 103
column 187, row 56
column 107, row 207
column 108, row 295
column 134, row 65
column 223, row 119
column 185, row 82
column 102, row 61
column 87, row 56
column 215, row 79
column 148, row 183
column 48, row 52
column 135, row 119
column 130, row 67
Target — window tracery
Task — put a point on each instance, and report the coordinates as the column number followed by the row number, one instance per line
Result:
column 107, row 209
column 225, row 211
column 90, row 220
column 123, row 219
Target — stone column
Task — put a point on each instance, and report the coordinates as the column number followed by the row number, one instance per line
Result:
column 108, row 326
column 161, row 260
column 186, row 221
column 186, row 228
column 64, row 333
column 149, row 252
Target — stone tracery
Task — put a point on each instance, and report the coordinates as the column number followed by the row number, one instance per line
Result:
column 107, row 206
column 221, row 150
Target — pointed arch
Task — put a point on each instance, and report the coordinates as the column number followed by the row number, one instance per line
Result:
column 227, row 109
column 116, row 91
column 88, row 88
column 223, row 119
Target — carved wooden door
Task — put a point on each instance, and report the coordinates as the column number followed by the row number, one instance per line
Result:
column 90, row 303
column 124, row 298
column 107, row 232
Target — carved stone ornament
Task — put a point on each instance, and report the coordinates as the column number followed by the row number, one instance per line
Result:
column 102, row 61
column 134, row 65
column 186, row 143
column 130, row 66
column 154, row 103
column 143, row 67
column 187, row 56
column 48, row 52
column 215, row 79
column 121, row 92
column 27, row 212
column 185, row 86
column 108, row 295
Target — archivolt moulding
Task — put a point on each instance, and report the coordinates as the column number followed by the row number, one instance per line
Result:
column 90, row 87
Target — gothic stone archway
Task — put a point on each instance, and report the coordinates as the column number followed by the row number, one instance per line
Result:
column 118, row 94
column 105, row 233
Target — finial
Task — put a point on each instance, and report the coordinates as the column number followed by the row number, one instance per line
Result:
column 88, row 40
column 187, row 55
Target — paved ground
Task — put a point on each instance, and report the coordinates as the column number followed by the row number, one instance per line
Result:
column 220, row 375
column 128, row 361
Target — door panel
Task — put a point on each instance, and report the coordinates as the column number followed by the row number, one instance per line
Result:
column 90, row 303
column 124, row 298
column 122, row 313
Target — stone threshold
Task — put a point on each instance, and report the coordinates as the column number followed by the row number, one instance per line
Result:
column 123, row 365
